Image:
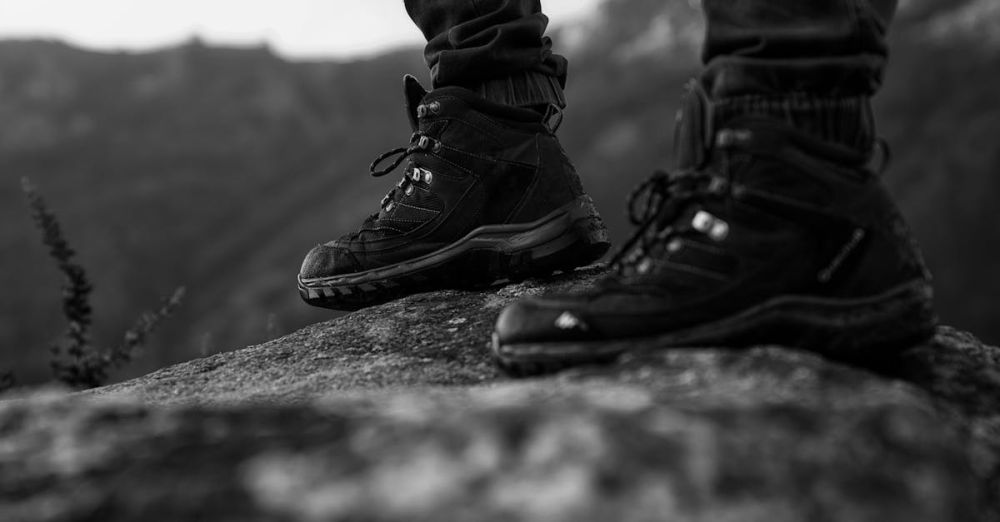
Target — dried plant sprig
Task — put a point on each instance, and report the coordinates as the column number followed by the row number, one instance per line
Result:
column 144, row 326
column 75, row 361
column 76, row 287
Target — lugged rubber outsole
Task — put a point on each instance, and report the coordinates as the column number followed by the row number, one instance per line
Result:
column 860, row 331
column 570, row 237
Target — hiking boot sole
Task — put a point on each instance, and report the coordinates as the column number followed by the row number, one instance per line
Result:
column 865, row 331
column 569, row 237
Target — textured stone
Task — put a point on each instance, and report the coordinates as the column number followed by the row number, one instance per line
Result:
column 396, row 413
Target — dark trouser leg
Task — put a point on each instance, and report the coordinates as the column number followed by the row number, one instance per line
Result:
column 814, row 63
column 495, row 47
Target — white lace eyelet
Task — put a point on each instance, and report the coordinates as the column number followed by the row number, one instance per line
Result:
column 710, row 225
column 719, row 230
column 729, row 137
column 702, row 221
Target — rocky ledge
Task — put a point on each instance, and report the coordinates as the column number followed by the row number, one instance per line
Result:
column 396, row 413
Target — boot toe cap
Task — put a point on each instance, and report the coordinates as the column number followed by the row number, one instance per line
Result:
column 328, row 260
column 542, row 320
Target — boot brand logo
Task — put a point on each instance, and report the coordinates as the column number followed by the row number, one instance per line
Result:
column 568, row 321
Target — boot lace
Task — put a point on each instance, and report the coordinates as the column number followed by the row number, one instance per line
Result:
column 418, row 143
column 655, row 205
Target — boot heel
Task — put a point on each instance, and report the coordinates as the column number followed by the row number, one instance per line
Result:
column 900, row 320
column 582, row 241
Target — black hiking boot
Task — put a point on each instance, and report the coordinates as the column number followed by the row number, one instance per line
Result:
column 770, row 236
column 487, row 194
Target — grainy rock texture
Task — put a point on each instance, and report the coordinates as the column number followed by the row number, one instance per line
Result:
column 396, row 413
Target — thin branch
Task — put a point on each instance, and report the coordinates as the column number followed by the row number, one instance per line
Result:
column 136, row 336
column 74, row 359
column 76, row 287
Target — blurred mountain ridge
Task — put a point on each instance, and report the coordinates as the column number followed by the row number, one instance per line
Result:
column 217, row 168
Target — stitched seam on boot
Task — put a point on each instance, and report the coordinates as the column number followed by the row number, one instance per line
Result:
column 432, row 211
column 534, row 182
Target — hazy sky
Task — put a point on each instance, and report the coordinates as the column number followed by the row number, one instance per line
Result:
column 296, row 28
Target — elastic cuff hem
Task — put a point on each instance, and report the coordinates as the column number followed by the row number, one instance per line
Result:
column 529, row 89
column 845, row 121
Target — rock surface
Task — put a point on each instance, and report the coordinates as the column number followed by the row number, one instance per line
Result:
column 396, row 413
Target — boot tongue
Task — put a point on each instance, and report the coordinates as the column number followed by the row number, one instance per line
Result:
column 414, row 93
column 694, row 131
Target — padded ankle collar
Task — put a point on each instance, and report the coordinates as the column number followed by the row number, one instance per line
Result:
column 420, row 102
column 479, row 104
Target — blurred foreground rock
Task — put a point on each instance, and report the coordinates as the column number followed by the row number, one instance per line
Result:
column 396, row 413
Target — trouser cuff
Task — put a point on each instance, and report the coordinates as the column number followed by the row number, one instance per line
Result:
column 845, row 121
column 527, row 89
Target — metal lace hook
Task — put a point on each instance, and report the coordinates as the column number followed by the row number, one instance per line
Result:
column 885, row 155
